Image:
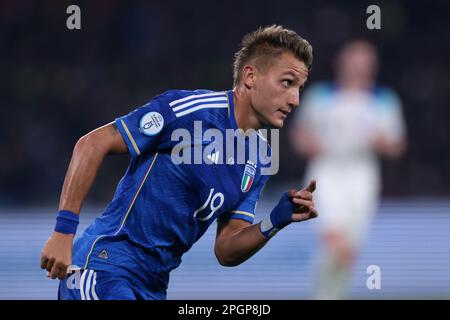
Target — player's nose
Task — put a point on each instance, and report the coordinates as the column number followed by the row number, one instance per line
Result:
column 294, row 99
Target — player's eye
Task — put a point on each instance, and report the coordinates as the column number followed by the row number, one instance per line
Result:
column 287, row 82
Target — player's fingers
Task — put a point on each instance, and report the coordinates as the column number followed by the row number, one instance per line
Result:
column 306, row 203
column 55, row 271
column 312, row 185
column 305, row 215
column 304, row 194
column 44, row 261
column 62, row 273
column 300, row 216
column 50, row 264
column 292, row 193
column 309, row 212
column 313, row 213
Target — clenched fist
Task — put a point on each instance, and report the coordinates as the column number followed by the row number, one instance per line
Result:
column 56, row 256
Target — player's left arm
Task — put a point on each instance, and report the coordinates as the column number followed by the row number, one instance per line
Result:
column 390, row 139
column 388, row 148
column 237, row 240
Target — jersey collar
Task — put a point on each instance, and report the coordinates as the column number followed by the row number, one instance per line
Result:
column 231, row 109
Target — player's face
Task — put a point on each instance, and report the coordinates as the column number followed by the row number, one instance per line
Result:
column 276, row 90
column 357, row 62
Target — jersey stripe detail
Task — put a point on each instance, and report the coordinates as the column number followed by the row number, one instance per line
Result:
column 136, row 195
column 135, row 147
column 245, row 213
column 228, row 103
column 203, row 106
column 127, row 213
column 83, row 277
column 190, row 103
column 195, row 96
column 88, row 284
column 94, row 283
column 259, row 133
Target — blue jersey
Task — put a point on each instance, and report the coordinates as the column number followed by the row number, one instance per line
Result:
column 161, row 206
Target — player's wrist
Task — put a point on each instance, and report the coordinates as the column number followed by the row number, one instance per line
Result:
column 267, row 228
column 67, row 222
column 280, row 217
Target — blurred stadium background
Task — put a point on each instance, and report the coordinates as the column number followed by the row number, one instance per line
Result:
column 59, row 84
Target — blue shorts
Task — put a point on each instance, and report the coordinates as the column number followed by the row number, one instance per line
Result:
column 102, row 285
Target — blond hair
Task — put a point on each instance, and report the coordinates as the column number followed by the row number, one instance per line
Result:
column 270, row 42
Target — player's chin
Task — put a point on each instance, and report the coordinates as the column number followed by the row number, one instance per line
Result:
column 277, row 123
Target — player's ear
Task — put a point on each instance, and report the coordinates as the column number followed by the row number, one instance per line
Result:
column 249, row 76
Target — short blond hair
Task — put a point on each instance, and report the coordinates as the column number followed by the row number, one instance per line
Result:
column 270, row 42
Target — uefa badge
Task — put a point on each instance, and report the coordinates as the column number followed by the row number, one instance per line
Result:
column 151, row 123
column 249, row 176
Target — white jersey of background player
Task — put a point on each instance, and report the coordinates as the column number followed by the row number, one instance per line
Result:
column 342, row 128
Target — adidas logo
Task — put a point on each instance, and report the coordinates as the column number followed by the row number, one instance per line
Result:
column 214, row 157
column 103, row 254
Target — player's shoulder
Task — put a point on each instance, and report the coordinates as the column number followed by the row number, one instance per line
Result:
column 386, row 97
column 382, row 91
column 184, row 102
column 174, row 95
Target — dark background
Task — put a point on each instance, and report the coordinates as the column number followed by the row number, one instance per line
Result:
column 58, row 84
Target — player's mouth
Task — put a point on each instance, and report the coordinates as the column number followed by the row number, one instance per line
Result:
column 283, row 113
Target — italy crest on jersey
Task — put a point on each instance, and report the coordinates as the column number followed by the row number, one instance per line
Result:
column 248, row 176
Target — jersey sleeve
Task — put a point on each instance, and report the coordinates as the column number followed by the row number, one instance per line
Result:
column 144, row 129
column 390, row 116
column 246, row 208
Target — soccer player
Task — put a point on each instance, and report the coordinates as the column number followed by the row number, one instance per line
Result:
column 161, row 206
column 342, row 128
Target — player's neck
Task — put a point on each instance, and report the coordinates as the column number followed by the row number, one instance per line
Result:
column 244, row 114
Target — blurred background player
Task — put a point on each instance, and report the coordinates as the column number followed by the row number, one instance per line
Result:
column 341, row 128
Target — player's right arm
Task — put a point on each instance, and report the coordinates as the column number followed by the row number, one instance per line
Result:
column 88, row 154
column 238, row 240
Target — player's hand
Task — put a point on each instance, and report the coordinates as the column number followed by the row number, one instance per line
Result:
column 294, row 206
column 303, row 203
column 56, row 256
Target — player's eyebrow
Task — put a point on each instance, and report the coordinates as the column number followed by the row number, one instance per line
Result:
column 296, row 75
column 291, row 73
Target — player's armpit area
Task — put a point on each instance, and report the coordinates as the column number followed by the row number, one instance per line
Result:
column 118, row 144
